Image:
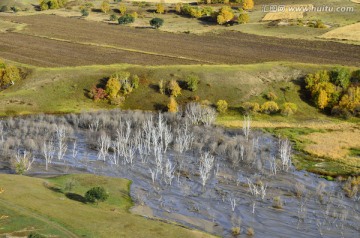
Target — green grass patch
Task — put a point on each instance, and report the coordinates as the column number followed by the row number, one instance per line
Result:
column 45, row 206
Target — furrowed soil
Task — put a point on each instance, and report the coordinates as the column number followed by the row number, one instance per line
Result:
column 50, row 40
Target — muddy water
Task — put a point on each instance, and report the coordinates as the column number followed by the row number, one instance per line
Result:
column 314, row 214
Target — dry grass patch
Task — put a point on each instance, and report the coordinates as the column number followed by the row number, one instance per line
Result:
column 287, row 14
column 350, row 33
column 335, row 145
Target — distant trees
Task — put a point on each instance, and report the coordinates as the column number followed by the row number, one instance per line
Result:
column 224, row 15
column 156, row 22
column 269, row 107
column 96, row 194
column 51, row 4
column 9, row 74
column 337, row 90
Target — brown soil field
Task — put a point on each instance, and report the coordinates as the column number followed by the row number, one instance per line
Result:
column 50, row 40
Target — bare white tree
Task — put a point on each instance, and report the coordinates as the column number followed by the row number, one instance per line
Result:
column 60, row 132
column 206, row 164
column 273, row 165
column 169, row 172
column 168, row 137
column 74, row 150
column 232, row 203
column 104, row 143
column 257, row 191
column 153, row 174
column 246, row 127
column 285, row 153
column 48, row 152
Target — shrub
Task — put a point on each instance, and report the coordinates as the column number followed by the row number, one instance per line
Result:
column 269, row 107
column 355, row 77
column 271, row 96
column 192, row 82
column 97, row 94
column 160, row 8
column 126, row 19
column 243, row 17
column 250, row 231
column 15, row 9
column 277, row 203
column 112, row 87
column 221, row 106
column 156, row 22
column 340, row 77
column 224, row 15
column 288, row 109
column 85, row 12
column 122, row 9
column 161, row 87
column 117, row 101
column 251, row 107
column 35, row 235
column 248, row 4
column 113, row 17
column 135, row 81
column 172, row 106
column 173, row 88
column 134, row 14
column 4, row 8
column 235, row 231
column 105, row 6
column 351, row 187
column 96, row 194
column 9, row 74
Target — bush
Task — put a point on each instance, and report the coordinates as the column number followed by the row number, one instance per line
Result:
column 15, row 9
column 4, row 9
column 192, row 82
column 250, row 231
column 288, row 109
column 105, row 6
column 172, row 106
column 135, row 81
column 224, row 15
column 35, row 235
column 340, row 77
column 235, row 231
column 96, row 194
column 251, row 107
column 355, row 77
column 160, row 8
column 122, row 9
column 112, row 87
column 221, row 106
column 243, row 17
column 113, row 17
column 161, row 87
column 271, row 96
column 269, row 107
column 9, row 74
column 97, row 94
column 248, row 4
column 173, row 88
column 277, row 203
column 156, row 22
column 84, row 12
column 126, row 19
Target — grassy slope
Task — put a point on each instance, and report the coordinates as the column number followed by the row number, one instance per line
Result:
column 28, row 203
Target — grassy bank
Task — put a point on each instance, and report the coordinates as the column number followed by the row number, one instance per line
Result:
column 44, row 206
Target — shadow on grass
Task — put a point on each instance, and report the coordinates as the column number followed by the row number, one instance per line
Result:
column 75, row 197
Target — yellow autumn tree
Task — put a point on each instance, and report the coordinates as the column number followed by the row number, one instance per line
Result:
column 105, row 6
column 322, row 99
column 113, row 87
column 160, row 8
column 225, row 14
column 172, row 106
column 173, row 88
column 248, row 4
column 122, row 9
column 221, row 106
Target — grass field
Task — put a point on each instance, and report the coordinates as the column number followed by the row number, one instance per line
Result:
column 30, row 205
column 350, row 32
